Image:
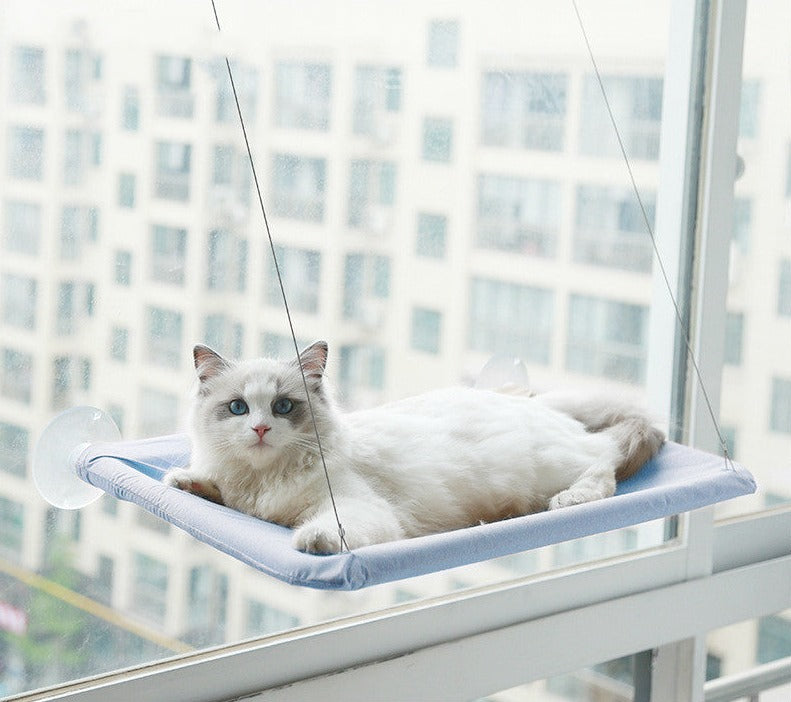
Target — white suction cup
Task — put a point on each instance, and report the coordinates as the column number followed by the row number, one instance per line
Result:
column 503, row 372
column 61, row 442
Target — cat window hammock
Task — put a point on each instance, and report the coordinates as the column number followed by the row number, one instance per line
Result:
column 77, row 459
column 678, row 479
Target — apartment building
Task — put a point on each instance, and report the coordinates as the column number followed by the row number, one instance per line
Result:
column 441, row 186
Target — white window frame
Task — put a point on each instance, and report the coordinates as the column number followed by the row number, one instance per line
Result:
column 470, row 643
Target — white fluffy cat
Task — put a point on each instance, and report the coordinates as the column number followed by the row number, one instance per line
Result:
column 438, row 461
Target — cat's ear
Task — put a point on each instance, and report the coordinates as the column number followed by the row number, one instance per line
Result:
column 208, row 363
column 313, row 360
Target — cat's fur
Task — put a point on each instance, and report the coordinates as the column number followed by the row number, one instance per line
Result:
column 438, row 461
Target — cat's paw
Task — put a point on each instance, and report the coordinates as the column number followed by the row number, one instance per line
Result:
column 573, row 496
column 315, row 538
column 184, row 479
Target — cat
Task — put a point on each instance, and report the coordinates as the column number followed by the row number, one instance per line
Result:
column 442, row 460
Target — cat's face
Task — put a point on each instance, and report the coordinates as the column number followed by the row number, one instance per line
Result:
column 254, row 411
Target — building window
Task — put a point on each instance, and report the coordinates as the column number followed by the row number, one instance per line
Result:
column 61, row 382
column 17, row 375
column 116, row 413
column 437, row 139
column 14, row 441
column 126, row 190
column 160, row 413
column 25, row 153
column 207, row 604
column 103, row 580
column 130, row 109
column 149, row 587
column 507, row 318
column 377, row 101
column 168, row 254
column 27, row 75
column 22, row 227
column 224, row 335
column 610, row 228
column 426, row 330
column 780, row 419
column 638, row 109
column 607, row 338
column 784, row 288
column 263, row 618
column 298, row 187
column 372, row 195
column 748, row 113
column 742, row 223
column 300, row 270
column 280, row 345
column 173, row 165
column 123, row 267
column 443, row 44
column 174, row 75
column 81, row 68
column 518, row 214
column 302, row 95
column 774, row 638
column 734, row 335
column 362, row 368
column 18, row 297
column 366, row 288
column 524, row 110
column 226, row 262
column 12, row 523
column 78, row 225
column 164, row 337
column 431, row 233
column 119, row 343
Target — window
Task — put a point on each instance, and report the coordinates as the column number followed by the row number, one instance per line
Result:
column 443, row 43
column 371, row 195
column 78, row 225
column 161, row 412
column 264, row 618
column 168, row 254
column 105, row 577
column 431, row 233
column 748, row 114
column 298, row 186
column 224, row 335
column 302, row 95
column 28, row 85
column 25, row 153
column 14, row 444
column 22, row 227
column 426, row 330
column 226, row 262
column 521, row 215
column 641, row 101
column 174, row 76
column 300, row 270
column 126, row 190
column 607, row 338
column 377, row 101
column 12, row 522
column 172, row 180
column 18, row 298
column 149, row 587
column 362, row 369
column 17, row 375
column 61, row 382
column 437, row 139
column 119, row 343
column 130, row 109
column 780, row 417
column 207, row 598
column 164, row 337
column 610, row 229
column 734, row 334
column 495, row 304
column 525, row 110
column 784, row 289
column 280, row 345
column 366, row 287
column 123, row 267
column 82, row 69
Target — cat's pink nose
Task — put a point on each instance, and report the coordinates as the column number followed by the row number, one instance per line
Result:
column 261, row 429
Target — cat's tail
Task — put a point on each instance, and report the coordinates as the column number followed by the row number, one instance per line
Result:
column 631, row 427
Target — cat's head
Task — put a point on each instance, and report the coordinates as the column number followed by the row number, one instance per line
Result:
column 256, row 411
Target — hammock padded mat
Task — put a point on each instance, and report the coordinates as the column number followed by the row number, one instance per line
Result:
column 678, row 479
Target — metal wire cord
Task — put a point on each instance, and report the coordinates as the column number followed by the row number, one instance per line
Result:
column 679, row 318
column 341, row 532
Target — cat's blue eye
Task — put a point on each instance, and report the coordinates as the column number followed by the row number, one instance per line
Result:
column 238, row 407
column 282, row 406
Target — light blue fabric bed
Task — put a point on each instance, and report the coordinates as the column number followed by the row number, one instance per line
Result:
column 677, row 480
